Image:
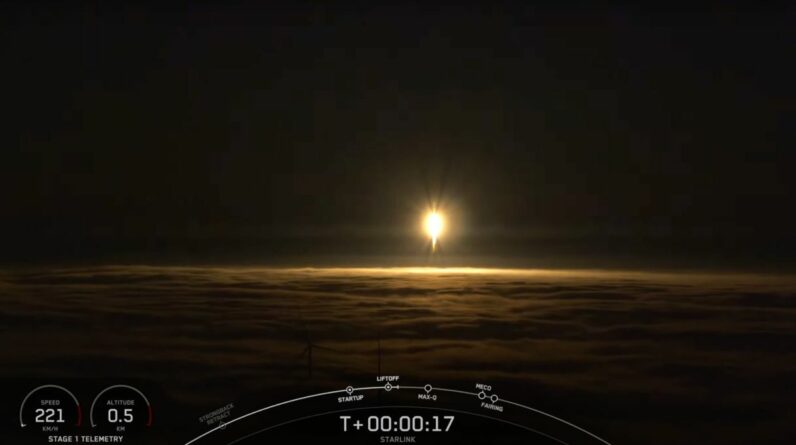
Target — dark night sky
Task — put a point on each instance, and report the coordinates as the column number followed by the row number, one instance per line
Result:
column 296, row 131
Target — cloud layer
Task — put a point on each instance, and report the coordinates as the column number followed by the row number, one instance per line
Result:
column 639, row 357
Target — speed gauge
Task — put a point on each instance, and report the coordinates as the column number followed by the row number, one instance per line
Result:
column 50, row 409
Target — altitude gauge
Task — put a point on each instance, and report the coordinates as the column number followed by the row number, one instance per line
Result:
column 121, row 409
column 50, row 409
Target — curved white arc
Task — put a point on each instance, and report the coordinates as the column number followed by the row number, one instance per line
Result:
column 224, row 425
column 519, row 405
column 555, row 418
column 458, row 391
